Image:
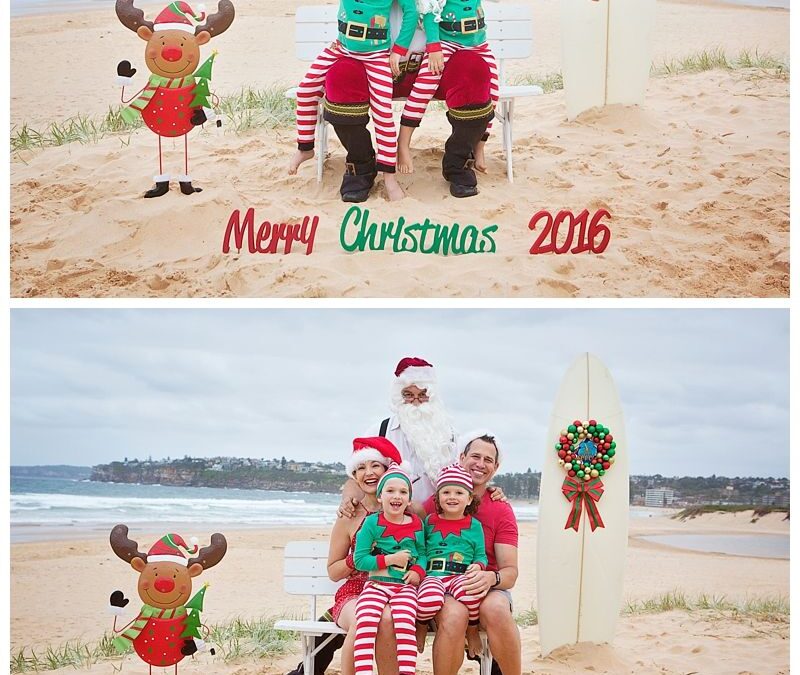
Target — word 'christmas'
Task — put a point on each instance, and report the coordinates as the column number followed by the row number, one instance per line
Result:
column 358, row 233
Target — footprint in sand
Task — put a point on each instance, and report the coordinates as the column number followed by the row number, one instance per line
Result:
column 561, row 289
column 157, row 283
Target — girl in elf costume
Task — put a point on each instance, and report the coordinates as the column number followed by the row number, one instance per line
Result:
column 390, row 546
column 364, row 35
column 450, row 26
column 454, row 545
column 367, row 463
column 176, row 97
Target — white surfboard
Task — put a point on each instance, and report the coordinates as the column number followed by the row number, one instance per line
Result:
column 579, row 575
column 606, row 52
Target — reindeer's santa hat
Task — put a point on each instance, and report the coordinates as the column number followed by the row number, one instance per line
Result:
column 168, row 549
column 178, row 16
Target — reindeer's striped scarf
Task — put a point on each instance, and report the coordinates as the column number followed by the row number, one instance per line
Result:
column 124, row 642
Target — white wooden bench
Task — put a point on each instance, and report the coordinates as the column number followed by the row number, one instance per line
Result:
column 509, row 31
column 305, row 572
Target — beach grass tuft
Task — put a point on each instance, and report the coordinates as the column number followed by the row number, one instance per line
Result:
column 529, row 617
column 770, row 609
column 765, row 64
column 759, row 511
column 240, row 638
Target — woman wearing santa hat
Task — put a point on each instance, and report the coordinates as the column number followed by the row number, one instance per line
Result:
column 367, row 463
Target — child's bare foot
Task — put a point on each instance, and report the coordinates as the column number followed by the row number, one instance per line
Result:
column 404, row 162
column 298, row 158
column 480, row 156
column 422, row 633
column 474, row 646
column 393, row 189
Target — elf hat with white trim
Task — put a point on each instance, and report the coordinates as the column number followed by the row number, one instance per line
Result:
column 177, row 15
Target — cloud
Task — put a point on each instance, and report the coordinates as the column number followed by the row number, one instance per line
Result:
column 704, row 391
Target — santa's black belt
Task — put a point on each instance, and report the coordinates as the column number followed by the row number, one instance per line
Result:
column 442, row 565
column 360, row 31
column 471, row 25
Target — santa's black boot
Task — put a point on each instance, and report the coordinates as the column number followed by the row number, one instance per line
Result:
column 161, row 188
column 187, row 188
column 469, row 126
column 349, row 121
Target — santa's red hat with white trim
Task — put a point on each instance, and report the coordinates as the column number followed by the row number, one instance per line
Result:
column 413, row 370
column 373, row 449
column 177, row 15
column 168, row 549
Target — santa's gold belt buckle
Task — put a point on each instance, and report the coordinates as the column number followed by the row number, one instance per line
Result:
column 469, row 26
column 361, row 35
column 436, row 565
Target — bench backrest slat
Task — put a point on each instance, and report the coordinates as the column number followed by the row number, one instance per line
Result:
column 305, row 569
column 509, row 30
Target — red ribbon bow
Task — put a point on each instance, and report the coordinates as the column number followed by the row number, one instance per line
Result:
column 581, row 492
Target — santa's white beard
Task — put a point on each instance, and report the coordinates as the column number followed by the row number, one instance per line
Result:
column 429, row 433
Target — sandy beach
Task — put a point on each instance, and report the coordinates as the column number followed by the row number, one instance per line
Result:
column 72, row 581
column 696, row 180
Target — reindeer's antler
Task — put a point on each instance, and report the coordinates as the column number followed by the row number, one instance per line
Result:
column 217, row 23
column 131, row 16
column 213, row 553
column 125, row 548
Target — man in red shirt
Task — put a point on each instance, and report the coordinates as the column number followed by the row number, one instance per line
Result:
column 480, row 456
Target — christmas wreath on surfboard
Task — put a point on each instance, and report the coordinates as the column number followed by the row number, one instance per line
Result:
column 586, row 450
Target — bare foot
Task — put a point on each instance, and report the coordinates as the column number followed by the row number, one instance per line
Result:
column 480, row 157
column 393, row 188
column 474, row 646
column 422, row 633
column 404, row 162
column 298, row 158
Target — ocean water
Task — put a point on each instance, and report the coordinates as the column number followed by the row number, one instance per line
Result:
column 44, row 508
column 752, row 545
column 26, row 7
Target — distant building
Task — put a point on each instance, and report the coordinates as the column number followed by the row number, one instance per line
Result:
column 659, row 497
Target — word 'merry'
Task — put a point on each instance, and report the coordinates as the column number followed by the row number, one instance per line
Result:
column 358, row 233
column 269, row 236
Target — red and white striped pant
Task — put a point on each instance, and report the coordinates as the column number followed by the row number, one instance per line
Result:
column 379, row 80
column 402, row 600
column 427, row 83
column 431, row 596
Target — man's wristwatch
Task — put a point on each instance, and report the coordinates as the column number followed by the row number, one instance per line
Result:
column 496, row 579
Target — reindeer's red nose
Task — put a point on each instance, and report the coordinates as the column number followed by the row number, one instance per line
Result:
column 164, row 585
column 171, row 53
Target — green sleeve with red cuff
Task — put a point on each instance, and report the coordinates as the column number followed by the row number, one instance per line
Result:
column 479, row 543
column 431, row 33
column 407, row 28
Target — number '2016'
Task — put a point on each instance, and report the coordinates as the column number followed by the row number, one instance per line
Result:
column 592, row 235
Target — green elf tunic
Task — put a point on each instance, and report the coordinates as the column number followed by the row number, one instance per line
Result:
column 364, row 25
column 451, row 545
column 378, row 538
column 462, row 24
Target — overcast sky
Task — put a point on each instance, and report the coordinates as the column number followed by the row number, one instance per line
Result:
column 703, row 391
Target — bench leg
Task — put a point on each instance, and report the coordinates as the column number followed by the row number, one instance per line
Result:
column 508, row 137
column 486, row 657
column 308, row 654
column 321, row 143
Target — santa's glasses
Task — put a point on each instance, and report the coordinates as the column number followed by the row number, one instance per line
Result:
column 422, row 397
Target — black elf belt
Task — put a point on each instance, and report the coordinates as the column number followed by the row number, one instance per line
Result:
column 444, row 565
column 465, row 26
column 360, row 31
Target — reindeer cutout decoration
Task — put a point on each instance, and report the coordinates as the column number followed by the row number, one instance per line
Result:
column 175, row 99
column 163, row 632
